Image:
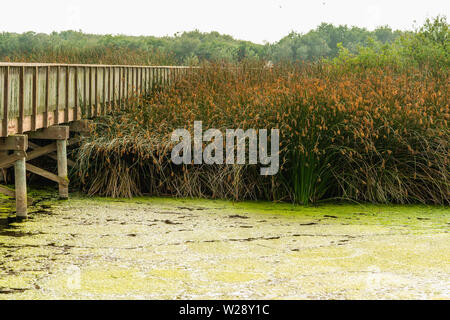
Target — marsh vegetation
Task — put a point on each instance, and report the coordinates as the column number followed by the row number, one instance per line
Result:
column 370, row 126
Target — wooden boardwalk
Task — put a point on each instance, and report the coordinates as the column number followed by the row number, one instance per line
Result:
column 49, row 101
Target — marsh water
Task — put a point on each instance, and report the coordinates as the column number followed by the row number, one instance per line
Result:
column 164, row 248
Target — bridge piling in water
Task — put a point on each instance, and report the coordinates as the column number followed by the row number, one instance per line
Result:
column 21, row 186
column 61, row 152
column 17, row 144
column 61, row 135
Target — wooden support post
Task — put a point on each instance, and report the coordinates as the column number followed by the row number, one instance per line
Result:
column 18, row 144
column 21, row 186
column 61, row 153
column 60, row 134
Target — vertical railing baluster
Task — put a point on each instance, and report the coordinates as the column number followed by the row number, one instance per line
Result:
column 153, row 78
column 114, row 88
column 96, row 92
column 166, row 77
column 119, row 98
column 128, row 83
column 137, row 82
column 35, row 98
column 124, row 77
column 90, row 93
column 75, row 98
column 133, row 82
column 141, row 81
column 47, row 88
column 104, row 92
column 85, row 100
column 21, row 98
column 138, row 88
column 56, row 111
column 133, row 79
column 109, row 90
column 5, row 103
column 145, row 70
column 66, row 108
column 158, row 71
column 123, row 85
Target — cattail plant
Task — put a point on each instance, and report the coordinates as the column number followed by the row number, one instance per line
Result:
column 379, row 135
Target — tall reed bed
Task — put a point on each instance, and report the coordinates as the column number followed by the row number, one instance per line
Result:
column 378, row 135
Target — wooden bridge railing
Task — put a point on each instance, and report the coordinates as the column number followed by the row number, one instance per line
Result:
column 37, row 95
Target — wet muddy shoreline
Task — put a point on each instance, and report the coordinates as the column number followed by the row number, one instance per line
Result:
column 163, row 248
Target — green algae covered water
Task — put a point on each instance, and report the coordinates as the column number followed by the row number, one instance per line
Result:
column 158, row 248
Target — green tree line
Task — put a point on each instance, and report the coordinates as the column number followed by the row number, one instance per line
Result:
column 191, row 48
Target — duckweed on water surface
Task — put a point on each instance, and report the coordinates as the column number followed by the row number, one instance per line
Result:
column 152, row 248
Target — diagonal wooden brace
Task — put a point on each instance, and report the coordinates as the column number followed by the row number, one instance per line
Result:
column 9, row 161
column 47, row 174
column 51, row 154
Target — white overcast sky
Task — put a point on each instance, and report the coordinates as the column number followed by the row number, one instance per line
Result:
column 254, row 20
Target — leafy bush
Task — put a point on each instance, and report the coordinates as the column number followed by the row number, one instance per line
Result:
column 428, row 48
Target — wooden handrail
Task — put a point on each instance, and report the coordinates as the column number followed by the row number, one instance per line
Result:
column 38, row 95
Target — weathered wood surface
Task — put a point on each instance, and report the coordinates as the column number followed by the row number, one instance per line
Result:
column 39, row 95
column 46, row 174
